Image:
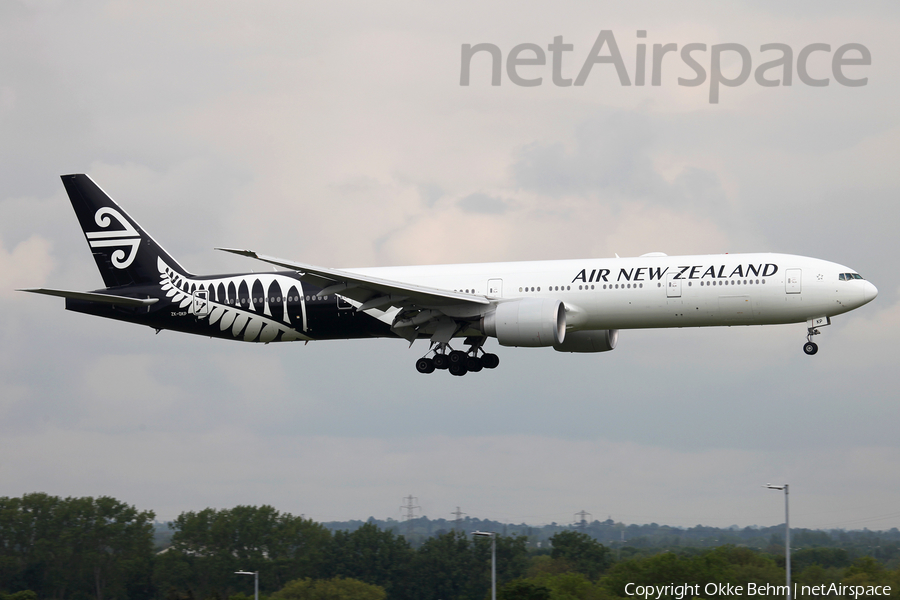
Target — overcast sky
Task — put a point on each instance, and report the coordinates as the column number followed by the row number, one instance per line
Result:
column 338, row 134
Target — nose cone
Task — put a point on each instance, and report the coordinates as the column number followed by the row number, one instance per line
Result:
column 869, row 292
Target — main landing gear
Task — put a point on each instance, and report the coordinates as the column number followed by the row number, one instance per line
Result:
column 458, row 362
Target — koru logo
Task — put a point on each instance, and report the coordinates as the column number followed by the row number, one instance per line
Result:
column 125, row 237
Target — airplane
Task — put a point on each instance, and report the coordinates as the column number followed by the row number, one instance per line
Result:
column 570, row 305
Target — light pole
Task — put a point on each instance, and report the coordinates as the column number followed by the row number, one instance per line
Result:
column 493, row 537
column 255, row 582
column 787, row 534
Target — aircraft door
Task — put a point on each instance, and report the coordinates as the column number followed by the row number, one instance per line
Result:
column 792, row 281
column 495, row 288
column 673, row 286
column 342, row 303
column 201, row 303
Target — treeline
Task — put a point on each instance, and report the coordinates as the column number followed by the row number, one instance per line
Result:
column 81, row 548
column 652, row 537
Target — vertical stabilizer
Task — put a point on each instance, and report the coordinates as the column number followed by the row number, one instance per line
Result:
column 124, row 252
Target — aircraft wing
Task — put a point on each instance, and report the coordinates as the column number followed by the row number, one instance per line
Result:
column 372, row 292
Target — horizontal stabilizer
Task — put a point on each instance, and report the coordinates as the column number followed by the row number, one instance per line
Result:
column 92, row 297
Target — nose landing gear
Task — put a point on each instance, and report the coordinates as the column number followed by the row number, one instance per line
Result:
column 810, row 347
column 812, row 328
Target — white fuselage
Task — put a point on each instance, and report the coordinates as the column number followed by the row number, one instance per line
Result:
column 655, row 291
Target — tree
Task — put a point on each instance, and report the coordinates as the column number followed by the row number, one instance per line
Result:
column 570, row 586
column 866, row 571
column 744, row 566
column 212, row 544
column 371, row 555
column 445, row 566
column 815, row 575
column 665, row 568
column 337, row 588
column 583, row 553
column 543, row 564
column 824, row 557
column 27, row 554
column 512, row 557
column 523, row 589
column 452, row 566
column 23, row 595
column 553, row 586
column 116, row 542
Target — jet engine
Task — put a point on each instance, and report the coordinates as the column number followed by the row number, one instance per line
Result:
column 530, row 322
column 601, row 340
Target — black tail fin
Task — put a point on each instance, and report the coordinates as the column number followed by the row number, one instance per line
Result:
column 124, row 252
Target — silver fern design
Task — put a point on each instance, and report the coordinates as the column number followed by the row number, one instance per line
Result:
column 254, row 307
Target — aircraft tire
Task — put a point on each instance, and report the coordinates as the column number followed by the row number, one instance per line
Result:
column 425, row 365
column 490, row 361
column 473, row 364
column 810, row 348
column 457, row 356
column 441, row 361
column 458, row 369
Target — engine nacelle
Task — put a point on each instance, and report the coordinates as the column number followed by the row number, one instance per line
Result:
column 531, row 322
column 602, row 340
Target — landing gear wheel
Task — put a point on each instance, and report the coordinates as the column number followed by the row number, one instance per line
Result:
column 457, row 357
column 441, row 361
column 425, row 365
column 810, row 348
column 458, row 369
column 473, row 363
column 490, row 361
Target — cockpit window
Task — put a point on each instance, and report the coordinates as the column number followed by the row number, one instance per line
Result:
column 849, row 276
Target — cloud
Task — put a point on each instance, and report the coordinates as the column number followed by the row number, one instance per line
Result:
column 610, row 154
column 482, row 204
column 27, row 265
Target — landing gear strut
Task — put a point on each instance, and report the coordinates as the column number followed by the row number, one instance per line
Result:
column 458, row 362
column 810, row 347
